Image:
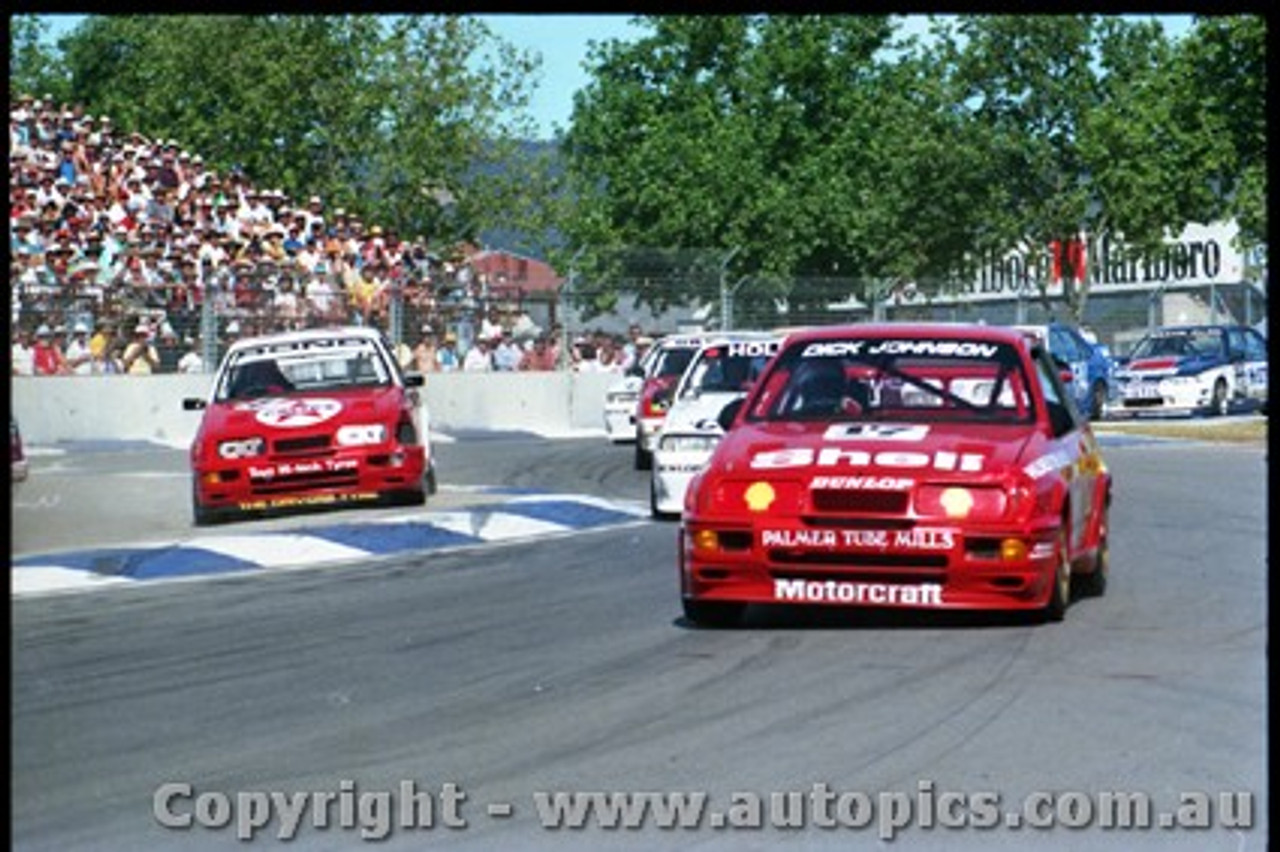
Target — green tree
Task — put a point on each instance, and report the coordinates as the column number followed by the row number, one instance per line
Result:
column 34, row 68
column 724, row 132
column 827, row 151
column 1224, row 65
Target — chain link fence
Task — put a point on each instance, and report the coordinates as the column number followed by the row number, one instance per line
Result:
column 658, row 291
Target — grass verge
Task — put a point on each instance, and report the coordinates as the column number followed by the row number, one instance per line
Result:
column 1253, row 429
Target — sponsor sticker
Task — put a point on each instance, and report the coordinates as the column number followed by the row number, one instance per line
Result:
column 876, row 432
column 933, row 348
column 858, row 483
column 295, row 413
column 288, row 501
column 919, row 538
column 753, row 348
column 266, row 474
column 1047, row 463
column 850, row 592
column 841, row 457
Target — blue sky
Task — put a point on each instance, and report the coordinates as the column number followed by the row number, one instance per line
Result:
column 563, row 40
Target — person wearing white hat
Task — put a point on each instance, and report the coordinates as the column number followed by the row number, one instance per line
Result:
column 21, row 352
column 140, row 356
column 47, row 358
column 79, row 356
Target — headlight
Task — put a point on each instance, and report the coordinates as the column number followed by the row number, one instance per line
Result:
column 242, row 449
column 755, row 496
column 956, row 501
column 361, row 435
column 688, row 443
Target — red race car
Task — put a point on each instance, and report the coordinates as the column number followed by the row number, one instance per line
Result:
column 925, row 466
column 309, row 418
column 671, row 355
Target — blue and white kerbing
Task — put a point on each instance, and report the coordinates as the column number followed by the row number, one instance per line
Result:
column 520, row 518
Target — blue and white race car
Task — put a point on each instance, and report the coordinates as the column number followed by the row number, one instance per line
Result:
column 1189, row 369
column 723, row 369
column 1092, row 381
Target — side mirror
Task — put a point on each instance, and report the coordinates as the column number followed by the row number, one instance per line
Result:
column 193, row 404
column 636, row 371
column 414, row 380
column 729, row 413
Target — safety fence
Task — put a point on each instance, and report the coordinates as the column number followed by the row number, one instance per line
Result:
column 206, row 309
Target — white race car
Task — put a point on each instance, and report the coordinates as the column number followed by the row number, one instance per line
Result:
column 721, row 372
column 1214, row 369
column 620, row 400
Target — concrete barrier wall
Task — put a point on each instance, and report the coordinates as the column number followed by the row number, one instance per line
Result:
column 149, row 408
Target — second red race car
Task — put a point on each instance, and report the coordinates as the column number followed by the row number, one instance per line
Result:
column 309, row 418
column 893, row 465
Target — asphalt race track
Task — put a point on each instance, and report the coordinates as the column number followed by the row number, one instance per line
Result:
column 552, row 657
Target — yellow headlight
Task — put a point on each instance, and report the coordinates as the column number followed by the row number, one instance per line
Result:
column 956, row 502
column 1013, row 550
column 706, row 540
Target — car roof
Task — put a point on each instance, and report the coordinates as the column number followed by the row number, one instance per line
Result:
column 306, row 336
column 720, row 338
column 1203, row 326
column 939, row 330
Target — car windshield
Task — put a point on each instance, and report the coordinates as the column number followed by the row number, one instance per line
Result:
column 896, row 379
column 727, row 368
column 672, row 361
column 280, row 368
column 1179, row 344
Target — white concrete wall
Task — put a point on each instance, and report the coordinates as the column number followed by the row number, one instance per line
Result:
column 149, row 408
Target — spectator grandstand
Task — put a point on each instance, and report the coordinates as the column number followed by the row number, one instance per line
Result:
column 111, row 230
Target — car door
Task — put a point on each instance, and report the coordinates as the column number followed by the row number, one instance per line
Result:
column 1076, row 449
column 1064, row 346
column 1254, row 365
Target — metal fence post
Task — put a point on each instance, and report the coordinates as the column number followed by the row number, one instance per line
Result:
column 208, row 319
column 726, row 296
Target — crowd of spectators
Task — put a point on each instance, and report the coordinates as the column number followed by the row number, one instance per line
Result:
column 116, row 240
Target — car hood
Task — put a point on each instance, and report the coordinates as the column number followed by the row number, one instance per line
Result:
column 300, row 411
column 1186, row 365
column 698, row 414
column 938, row 450
column 629, row 384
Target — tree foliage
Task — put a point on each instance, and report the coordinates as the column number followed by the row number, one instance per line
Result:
column 410, row 121
column 825, row 146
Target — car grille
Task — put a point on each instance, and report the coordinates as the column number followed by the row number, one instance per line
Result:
column 878, row 572
column 844, row 501
column 309, row 445
column 294, row 482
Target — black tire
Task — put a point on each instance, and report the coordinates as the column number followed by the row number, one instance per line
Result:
column 713, row 613
column 203, row 516
column 1094, row 584
column 654, row 512
column 1097, row 400
column 1056, row 609
column 1220, row 404
column 429, row 481
column 644, row 458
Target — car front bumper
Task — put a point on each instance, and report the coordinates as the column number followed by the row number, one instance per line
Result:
column 351, row 475
column 946, row 568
